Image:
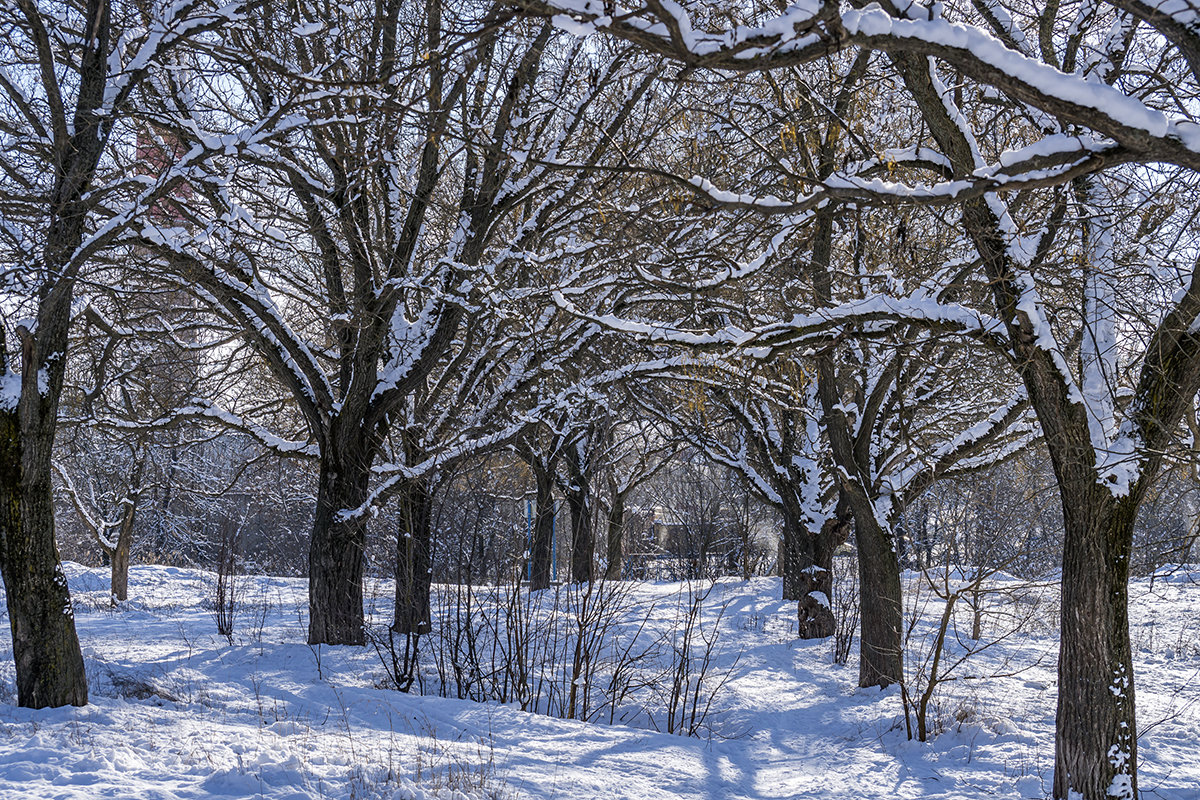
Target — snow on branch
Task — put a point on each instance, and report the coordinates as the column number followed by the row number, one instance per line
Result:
column 811, row 30
column 203, row 411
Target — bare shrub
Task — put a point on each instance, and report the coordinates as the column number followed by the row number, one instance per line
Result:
column 581, row 651
column 227, row 586
column 691, row 684
column 937, row 656
column 845, row 608
column 400, row 663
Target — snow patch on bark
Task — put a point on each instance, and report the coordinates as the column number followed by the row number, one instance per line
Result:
column 10, row 391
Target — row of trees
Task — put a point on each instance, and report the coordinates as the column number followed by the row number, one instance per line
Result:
column 995, row 103
column 847, row 253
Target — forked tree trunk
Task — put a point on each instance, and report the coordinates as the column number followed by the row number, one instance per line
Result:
column 119, row 557
column 1096, row 734
column 335, row 557
column 49, row 664
column 414, row 559
column 616, row 538
column 1095, row 666
column 880, row 662
column 542, row 547
column 880, row 604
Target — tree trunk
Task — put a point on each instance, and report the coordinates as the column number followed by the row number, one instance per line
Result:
column 583, row 536
column 616, row 539
column 583, row 544
column 976, row 615
column 1095, row 667
column 878, row 567
column 880, row 605
column 542, row 547
column 119, row 557
column 335, row 556
column 1095, row 742
column 49, row 663
column 414, row 559
column 794, row 556
column 815, row 606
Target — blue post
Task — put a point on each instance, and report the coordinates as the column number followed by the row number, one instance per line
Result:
column 529, row 540
column 553, row 544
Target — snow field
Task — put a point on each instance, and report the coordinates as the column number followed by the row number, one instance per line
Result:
column 178, row 712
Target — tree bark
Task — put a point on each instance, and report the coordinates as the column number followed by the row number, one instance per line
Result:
column 414, row 559
column 119, row 557
column 542, row 547
column 583, row 538
column 49, row 663
column 616, row 539
column 815, row 606
column 335, row 555
column 880, row 604
column 1095, row 667
column 794, row 556
column 583, row 543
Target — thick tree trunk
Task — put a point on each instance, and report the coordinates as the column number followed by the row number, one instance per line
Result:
column 335, row 557
column 542, row 547
column 583, row 544
column 1095, row 743
column 49, row 663
column 881, row 612
column 1095, row 667
column 414, row 559
column 616, row 539
column 794, row 555
column 579, row 501
column 815, row 606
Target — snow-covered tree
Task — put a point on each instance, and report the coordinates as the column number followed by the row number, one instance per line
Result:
column 1072, row 90
column 388, row 249
column 69, row 74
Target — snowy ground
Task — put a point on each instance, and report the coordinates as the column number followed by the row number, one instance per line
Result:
column 179, row 712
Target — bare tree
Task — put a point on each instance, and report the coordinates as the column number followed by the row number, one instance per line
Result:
column 1082, row 106
column 418, row 191
column 66, row 99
